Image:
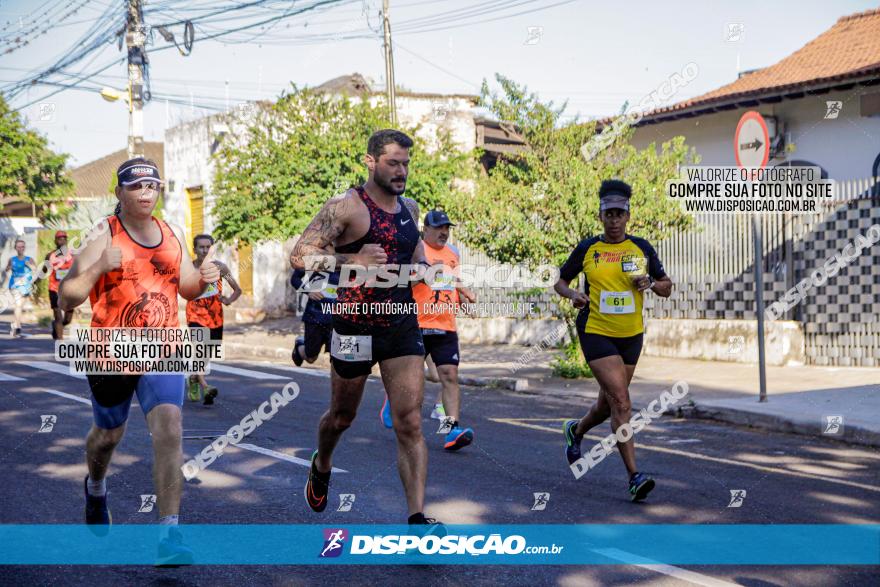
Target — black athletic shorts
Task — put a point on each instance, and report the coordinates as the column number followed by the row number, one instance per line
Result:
column 53, row 300
column 442, row 345
column 355, row 357
column 317, row 337
column 216, row 333
column 597, row 346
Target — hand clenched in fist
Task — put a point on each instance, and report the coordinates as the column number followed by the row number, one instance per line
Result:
column 371, row 254
column 111, row 259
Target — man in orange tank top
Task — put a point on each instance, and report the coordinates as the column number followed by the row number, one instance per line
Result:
column 206, row 311
column 60, row 260
column 132, row 269
column 437, row 304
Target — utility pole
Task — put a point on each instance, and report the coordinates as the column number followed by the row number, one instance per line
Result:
column 389, row 63
column 135, row 37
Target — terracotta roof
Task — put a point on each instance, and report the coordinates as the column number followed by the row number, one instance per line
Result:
column 847, row 51
column 94, row 179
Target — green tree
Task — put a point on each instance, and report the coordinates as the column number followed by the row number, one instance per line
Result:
column 535, row 207
column 29, row 170
column 272, row 178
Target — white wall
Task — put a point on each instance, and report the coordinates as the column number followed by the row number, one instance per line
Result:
column 846, row 147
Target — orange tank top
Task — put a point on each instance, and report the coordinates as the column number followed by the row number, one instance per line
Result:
column 432, row 299
column 142, row 293
column 60, row 266
column 207, row 309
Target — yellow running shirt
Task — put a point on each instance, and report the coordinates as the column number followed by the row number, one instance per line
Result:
column 615, row 307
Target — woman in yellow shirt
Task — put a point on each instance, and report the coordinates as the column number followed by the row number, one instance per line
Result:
column 618, row 268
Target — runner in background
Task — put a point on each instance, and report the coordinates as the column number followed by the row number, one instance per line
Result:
column 618, row 269
column 21, row 270
column 60, row 261
column 437, row 304
column 317, row 318
column 206, row 311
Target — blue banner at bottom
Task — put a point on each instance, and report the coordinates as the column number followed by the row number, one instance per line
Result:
column 608, row 544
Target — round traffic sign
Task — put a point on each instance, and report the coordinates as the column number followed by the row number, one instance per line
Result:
column 751, row 142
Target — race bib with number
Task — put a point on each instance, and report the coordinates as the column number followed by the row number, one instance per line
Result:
column 617, row 302
column 443, row 283
column 351, row 347
column 211, row 290
column 61, row 273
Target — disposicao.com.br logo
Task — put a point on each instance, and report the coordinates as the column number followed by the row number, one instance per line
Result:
column 431, row 544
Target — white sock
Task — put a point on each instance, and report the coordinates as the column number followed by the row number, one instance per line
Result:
column 169, row 520
column 97, row 488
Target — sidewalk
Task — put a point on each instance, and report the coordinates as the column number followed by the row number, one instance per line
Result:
column 799, row 398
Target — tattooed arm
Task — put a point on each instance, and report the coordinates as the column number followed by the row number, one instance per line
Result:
column 314, row 249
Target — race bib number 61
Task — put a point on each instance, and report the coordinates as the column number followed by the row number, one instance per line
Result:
column 617, row 302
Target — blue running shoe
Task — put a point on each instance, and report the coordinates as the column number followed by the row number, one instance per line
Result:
column 172, row 552
column 385, row 414
column 458, row 438
column 97, row 513
column 640, row 485
column 572, row 441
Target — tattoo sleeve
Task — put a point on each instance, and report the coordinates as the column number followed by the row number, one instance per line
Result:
column 314, row 250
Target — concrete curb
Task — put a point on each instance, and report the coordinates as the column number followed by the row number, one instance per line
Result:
column 239, row 348
column 775, row 423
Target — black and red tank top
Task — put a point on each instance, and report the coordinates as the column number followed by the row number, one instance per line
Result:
column 142, row 292
column 398, row 234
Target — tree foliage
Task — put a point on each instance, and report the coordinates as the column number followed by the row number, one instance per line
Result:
column 535, row 207
column 30, row 170
column 275, row 175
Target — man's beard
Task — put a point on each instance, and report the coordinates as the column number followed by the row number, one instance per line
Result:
column 385, row 183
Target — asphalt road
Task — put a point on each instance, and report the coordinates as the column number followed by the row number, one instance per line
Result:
column 518, row 450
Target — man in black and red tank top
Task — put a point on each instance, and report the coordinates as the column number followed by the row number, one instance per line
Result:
column 132, row 270
column 372, row 226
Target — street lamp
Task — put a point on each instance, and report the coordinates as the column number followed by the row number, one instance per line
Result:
column 111, row 95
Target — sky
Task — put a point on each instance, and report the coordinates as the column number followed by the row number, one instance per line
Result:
column 594, row 55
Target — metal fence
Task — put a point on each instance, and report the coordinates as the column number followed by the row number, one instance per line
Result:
column 712, row 267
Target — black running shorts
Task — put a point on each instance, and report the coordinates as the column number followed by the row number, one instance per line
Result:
column 355, row 348
column 597, row 346
column 317, row 337
column 442, row 346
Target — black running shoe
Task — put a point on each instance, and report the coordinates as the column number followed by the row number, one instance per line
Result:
column 572, row 441
column 295, row 356
column 172, row 552
column 317, row 487
column 210, row 394
column 640, row 485
column 422, row 526
column 97, row 513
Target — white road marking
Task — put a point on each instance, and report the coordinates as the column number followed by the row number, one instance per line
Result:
column 672, row 571
column 697, row 456
column 243, row 372
column 280, row 455
column 245, row 445
column 5, row 377
column 300, row 370
column 61, row 369
column 75, row 398
column 10, row 356
column 683, row 441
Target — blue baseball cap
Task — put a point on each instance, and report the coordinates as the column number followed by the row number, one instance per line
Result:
column 437, row 218
column 138, row 171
